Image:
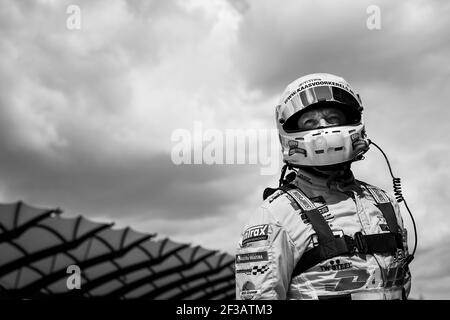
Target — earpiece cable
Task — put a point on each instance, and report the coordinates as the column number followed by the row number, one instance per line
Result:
column 399, row 197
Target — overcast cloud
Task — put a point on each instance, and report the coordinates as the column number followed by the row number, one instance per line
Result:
column 86, row 116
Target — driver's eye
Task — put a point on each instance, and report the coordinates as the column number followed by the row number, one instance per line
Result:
column 308, row 124
column 333, row 119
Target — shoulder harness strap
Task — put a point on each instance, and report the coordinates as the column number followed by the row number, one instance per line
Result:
column 385, row 206
column 330, row 246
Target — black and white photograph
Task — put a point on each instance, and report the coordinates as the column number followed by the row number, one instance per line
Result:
column 224, row 150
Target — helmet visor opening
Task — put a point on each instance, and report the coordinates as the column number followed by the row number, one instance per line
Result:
column 322, row 96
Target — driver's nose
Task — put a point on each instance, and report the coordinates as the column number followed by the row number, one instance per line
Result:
column 323, row 123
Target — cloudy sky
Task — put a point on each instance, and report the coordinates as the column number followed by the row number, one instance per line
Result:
column 87, row 114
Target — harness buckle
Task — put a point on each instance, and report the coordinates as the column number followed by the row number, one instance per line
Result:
column 361, row 243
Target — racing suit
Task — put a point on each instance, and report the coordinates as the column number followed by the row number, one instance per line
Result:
column 276, row 236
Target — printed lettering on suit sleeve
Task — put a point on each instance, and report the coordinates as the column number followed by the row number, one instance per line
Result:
column 252, row 270
column 255, row 233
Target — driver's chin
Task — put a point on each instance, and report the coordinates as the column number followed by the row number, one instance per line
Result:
column 331, row 169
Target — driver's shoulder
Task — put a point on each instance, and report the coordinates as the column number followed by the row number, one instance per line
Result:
column 374, row 192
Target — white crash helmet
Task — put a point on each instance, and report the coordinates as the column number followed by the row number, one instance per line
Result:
column 322, row 146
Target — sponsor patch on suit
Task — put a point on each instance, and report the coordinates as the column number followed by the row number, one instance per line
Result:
column 255, row 233
column 255, row 270
column 252, row 257
column 378, row 195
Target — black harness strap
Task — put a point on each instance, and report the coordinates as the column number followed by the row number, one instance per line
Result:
column 385, row 206
column 324, row 234
column 317, row 254
column 330, row 246
column 388, row 212
column 382, row 242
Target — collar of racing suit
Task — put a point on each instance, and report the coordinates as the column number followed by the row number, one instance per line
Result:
column 340, row 180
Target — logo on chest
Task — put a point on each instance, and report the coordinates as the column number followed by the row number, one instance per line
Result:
column 336, row 265
column 324, row 211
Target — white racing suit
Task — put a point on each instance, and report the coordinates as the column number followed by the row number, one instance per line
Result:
column 277, row 235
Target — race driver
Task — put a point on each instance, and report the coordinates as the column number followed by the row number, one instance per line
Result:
column 323, row 234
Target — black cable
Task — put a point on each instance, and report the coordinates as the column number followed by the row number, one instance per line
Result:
column 399, row 197
column 290, row 177
column 283, row 172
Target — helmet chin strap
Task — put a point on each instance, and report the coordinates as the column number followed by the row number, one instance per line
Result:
column 337, row 170
column 331, row 172
column 333, row 168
